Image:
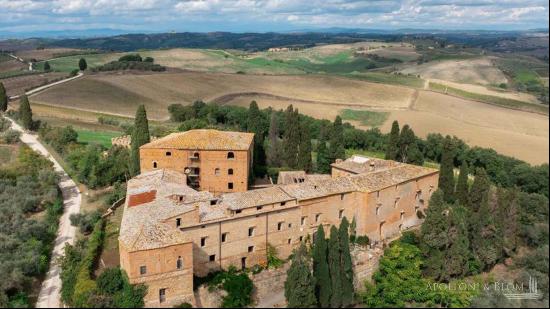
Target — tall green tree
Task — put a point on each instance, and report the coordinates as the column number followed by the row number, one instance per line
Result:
column 82, row 65
column 323, row 160
column 336, row 149
column 479, row 190
column 409, row 152
column 392, row 148
column 446, row 171
column 335, row 268
column 462, row 189
column 323, row 287
column 140, row 136
column 304, row 152
column 486, row 242
column 507, row 218
column 300, row 283
column 433, row 233
column 3, row 98
column 256, row 125
column 291, row 138
column 345, row 264
column 25, row 112
column 458, row 254
column 274, row 153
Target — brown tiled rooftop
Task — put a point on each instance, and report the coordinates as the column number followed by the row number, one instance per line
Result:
column 360, row 164
column 253, row 198
column 204, row 139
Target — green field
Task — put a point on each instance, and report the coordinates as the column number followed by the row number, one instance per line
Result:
column 504, row 102
column 98, row 137
column 366, row 118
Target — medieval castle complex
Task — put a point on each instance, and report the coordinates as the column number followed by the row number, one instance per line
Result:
column 190, row 211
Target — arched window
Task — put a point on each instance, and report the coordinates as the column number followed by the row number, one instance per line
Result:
column 230, row 171
column 231, row 155
column 179, row 263
column 155, row 165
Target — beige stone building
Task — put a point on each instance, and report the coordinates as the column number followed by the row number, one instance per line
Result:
column 214, row 161
column 171, row 231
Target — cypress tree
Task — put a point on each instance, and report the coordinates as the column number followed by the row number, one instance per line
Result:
column 304, row 152
column 25, row 112
column 82, row 65
column 408, row 147
column 486, row 243
column 480, row 189
column 336, row 149
column 300, row 283
column 458, row 254
column 274, row 153
column 345, row 264
column 323, row 160
column 433, row 233
column 335, row 270
column 256, row 126
column 446, row 174
column 320, row 269
column 392, row 148
column 291, row 140
column 140, row 136
column 462, row 189
column 3, row 98
column 507, row 218
column 47, row 66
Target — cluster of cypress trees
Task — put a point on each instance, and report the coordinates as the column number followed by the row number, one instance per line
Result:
column 296, row 144
column 335, row 150
column 3, row 98
column 403, row 145
column 464, row 230
column 324, row 278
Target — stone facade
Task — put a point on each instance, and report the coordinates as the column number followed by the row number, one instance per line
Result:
column 208, row 232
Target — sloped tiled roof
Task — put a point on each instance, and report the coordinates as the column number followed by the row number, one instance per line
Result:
column 386, row 178
column 204, row 139
column 361, row 165
column 253, row 198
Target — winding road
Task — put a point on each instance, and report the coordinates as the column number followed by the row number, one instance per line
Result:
column 50, row 296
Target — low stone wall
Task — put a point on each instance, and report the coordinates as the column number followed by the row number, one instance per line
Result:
column 365, row 263
column 271, row 282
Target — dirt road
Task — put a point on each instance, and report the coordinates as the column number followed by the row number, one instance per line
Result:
column 49, row 296
column 38, row 89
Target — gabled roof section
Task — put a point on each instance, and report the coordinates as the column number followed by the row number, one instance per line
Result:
column 253, row 198
column 204, row 139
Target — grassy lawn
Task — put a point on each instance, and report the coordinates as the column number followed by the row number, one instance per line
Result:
column 367, row 118
column 69, row 63
column 99, row 137
column 504, row 102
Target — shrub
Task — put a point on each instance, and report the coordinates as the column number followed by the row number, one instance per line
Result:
column 85, row 221
column 237, row 285
column 10, row 136
column 130, row 57
column 110, row 281
column 362, row 240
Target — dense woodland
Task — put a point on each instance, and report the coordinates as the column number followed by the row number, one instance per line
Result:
column 30, row 206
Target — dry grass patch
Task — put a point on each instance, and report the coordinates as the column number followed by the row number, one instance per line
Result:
column 45, row 54
column 18, row 85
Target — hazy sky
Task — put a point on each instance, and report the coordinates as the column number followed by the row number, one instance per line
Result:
column 268, row 15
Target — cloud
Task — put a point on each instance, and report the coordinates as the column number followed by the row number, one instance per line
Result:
column 265, row 15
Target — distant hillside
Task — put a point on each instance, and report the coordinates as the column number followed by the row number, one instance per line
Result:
column 217, row 40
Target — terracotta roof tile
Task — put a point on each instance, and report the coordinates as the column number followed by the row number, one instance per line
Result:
column 204, row 139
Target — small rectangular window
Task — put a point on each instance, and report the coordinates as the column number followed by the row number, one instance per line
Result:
column 238, row 211
column 168, row 153
column 279, row 226
column 178, row 222
column 283, row 203
column 212, row 258
column 224, row 237
column 340, row 213
column 162, row 295
column 250, row 231
column 290, row 225
column 230, row 185
column 303, row 221
column 289, row 241
column 142, row 270
column 317, row 217
column 342, row 196
column 250, row 249
column 259, row 208
column 203, row 241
